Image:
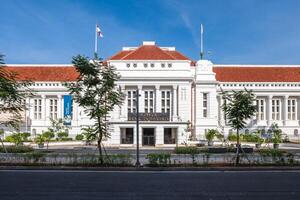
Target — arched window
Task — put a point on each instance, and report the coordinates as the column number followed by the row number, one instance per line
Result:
column 296, row 133
column 230, row 131
column 246, row 131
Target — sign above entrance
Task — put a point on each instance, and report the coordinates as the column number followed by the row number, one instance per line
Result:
column 149, row 116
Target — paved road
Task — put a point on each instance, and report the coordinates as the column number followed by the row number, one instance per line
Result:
column 213, row 185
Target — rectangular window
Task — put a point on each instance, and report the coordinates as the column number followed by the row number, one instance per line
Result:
column 260, row 109
column 53, row 108
column 276, row 109
column 205, row 97
column 126, row 135
column 131, row 101
column 165, row 101
column 149, row 101
column 37, row 108
column 170, row 135
column 291, row 109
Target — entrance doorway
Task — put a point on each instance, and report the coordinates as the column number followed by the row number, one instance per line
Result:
column 148, row 137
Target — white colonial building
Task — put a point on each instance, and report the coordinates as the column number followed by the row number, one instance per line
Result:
column 179, row 99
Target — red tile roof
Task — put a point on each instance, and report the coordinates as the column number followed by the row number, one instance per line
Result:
column 44, row 73
column 148, row 52
column 257, row 74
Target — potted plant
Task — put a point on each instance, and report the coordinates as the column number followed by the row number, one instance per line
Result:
column 258, row 139
column 210, row 135
column 276, row 136
column 40, row 140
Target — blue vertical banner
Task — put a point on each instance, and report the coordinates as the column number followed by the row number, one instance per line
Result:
column 67, row 109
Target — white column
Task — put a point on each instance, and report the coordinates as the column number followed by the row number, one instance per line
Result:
column 44, row 110
column 141, row 99
column 222, row 120
column 27, row 113
column 75, row 109
column 174, row 102
column 157, row 99
column 59, row 106
column 270, row 109
column 285, row 110
column 124, row 104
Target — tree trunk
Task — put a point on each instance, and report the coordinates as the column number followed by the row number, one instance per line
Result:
column 238, row 146
column 100, row 151
column 99, row 142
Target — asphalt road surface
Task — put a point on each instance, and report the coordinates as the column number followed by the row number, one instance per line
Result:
column 211, row 185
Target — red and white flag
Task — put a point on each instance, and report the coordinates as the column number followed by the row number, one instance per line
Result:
column 98, row 31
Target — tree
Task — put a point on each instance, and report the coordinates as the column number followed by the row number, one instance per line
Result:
column 238, row 107
column 58, row 128
column 48, row 135
column 13, row 94
column 95, row 90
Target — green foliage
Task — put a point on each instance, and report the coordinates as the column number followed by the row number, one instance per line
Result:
column 232, row 137
column 249, row 137
column 25, row 136
column 211, row 134
column 95, row 90
column 118, row 160
column 89, row 134
column 16, row 149
column 13, row 94
column 187, row 150
column 159, row 159
column 62, row 136
column 39, row 139
column 276, row 133
column 48, row 135
column 15, row 138
column 57, row 125
column 79, row 137
column 238, row 107
column 35, row 156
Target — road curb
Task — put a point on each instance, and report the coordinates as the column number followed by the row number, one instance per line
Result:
column 272, row 168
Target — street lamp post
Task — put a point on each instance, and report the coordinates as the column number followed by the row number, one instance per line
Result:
column 137, row 164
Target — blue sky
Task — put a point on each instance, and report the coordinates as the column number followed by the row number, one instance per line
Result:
column 236, row 31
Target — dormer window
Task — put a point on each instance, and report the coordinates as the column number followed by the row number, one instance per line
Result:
column 170, row 65
column 145, row 65
column 128, row 65
column 152, row 65
column 163, row 65
column 134, row 65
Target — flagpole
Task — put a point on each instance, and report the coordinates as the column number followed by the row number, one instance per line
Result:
column 96, row 42
column 201, row 38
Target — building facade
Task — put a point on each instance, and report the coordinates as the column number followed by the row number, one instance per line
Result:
column 179, row 99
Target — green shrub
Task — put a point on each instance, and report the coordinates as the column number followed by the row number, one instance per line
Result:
column 62, row 135
column 66, row 139
column 159, row 159
column 211, row 134
column 187, row 150
column 25, row 136
column 118, row 159
column 232, row 137
column 79, row 137
column 17, row 149
column 249, row 137
column 15, row 138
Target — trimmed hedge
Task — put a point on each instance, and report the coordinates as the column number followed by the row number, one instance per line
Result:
column 187, row 150
column 16, row 149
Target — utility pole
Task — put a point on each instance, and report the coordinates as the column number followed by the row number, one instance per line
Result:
column 137, row 164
